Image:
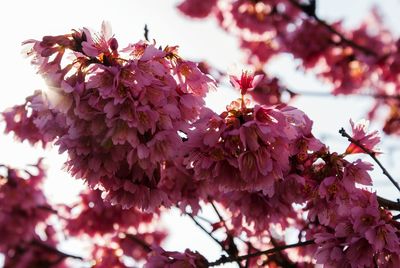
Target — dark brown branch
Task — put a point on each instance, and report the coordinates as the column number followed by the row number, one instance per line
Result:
column 281, row 258
column 388, row 204
column 212, row 237
column 225, row 259
column 219, row 215
column 49, row 209
column 372, row 155
column 146, row 33
column 205, row 231
column 232, row 249
column 330, row 28
column 139, row 241
column 204, row 219
column 54, row 250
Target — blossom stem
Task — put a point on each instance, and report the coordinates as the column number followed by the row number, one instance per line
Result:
column 54, row 250
column 139, row 241
column 372, row 155
column 146, row 33
column 204, row 219
column 219, row 215
column 243, row 105
column 330, row 28
column 204, row 229
column 225, row 259
column 213, row 238
column 232, row 249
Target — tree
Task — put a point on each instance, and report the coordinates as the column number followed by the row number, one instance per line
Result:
column 135, row 128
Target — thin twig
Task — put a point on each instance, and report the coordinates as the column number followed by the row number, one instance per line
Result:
column 212, row 237
column 205, row 230
column 330, row 28
column 225, row 259
column 146, row 33
column 204, row 219
column 139, row 241
column 219, row 216
column 54, row 250
column 372, row 155
column 329, row 94
column 232, row 248
column 281, row 258
column 249, row 246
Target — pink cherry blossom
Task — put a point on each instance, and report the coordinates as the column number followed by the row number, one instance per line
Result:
column 246, row 82
column 361, row 135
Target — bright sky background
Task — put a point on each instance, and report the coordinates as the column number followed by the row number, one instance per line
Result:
column 21, row 20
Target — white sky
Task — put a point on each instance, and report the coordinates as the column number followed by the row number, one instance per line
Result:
column 21, row 20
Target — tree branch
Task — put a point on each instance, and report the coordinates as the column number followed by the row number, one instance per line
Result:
column 213, row 238
column 225, row 259
column 232, row 249
column 388, row 204
column 139, row 241
column 54, row 250
column 146, row 33
column 343, row 39
column 372, row 155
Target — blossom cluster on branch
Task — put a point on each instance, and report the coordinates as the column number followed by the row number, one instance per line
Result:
column 363, row 60
column 133, row 124
column 30, row 233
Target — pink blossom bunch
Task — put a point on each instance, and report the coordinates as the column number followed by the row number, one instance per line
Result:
column 259, row 52
column 35, row 254
column 159, row 259
column 137, row 246
column 269, row 91
column 116, row 113
column 33, row 121
column 362, row 60
column 392, row 124
column 260, row 16
column 122, row 246
column 197, row 8
column 24, row 211
column 22, row 206
column 254, row 213
column 181, row 187
column 104, row 257
column 130, row 232
column 246, row 149
column 351, row 216
column 98, row 217
column 135, row 128
column 297, row 42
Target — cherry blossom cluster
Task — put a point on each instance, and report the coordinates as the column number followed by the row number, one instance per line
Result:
column 134, row 126
column 23, row 210
column 29, row 239
column 115, row 233
column 161, row 258
column 363, row 60
column 119, row 114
